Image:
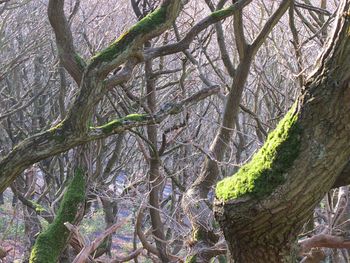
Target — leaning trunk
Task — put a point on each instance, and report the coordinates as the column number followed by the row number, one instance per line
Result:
column 263, row 207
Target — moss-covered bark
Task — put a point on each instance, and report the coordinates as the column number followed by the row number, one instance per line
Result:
column 129, row 43
column 146, row 25
column 191, row 259
column 263, row 208
column 51, row 242
column 110, row 126
column 266, row 170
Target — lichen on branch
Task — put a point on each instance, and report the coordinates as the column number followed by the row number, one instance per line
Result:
column 267, row 169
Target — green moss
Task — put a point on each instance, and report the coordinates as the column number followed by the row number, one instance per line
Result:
column 135, row 117
column 191, row 259
column 198, row 235
column 53, row 240
column 81, row 62
column 222, row 259
column 58, row 126
column 110, row 126
column 266, row 170
column 220, row 14
column 38, row 208
column 144, row 26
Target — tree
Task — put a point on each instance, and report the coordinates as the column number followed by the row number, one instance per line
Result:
column 94, row 81
column 116, row 64
column 263, row 207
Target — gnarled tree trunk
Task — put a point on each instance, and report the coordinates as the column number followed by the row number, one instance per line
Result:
column 262, row 208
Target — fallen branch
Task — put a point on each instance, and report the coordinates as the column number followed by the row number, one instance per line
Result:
column 89, row 248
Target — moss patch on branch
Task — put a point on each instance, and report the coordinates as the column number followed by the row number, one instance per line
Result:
column 38, row 207
column 57, row 132
column 223, row 13
column 53, row 240
column 80, row 61
column 110, row 126
column 191, row 259
column 266, row 170
column 146, row 25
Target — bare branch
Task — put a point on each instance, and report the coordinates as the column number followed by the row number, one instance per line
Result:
column 184, row 43
column 324, row 240
column 90, row 248
column 71, row 61
column 241, row 42
column 269, row 25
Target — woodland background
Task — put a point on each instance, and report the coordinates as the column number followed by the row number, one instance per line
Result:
column 36, row 92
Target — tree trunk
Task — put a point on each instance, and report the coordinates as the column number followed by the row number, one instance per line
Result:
column 110, row 208
column 263, row 207
column 51, row 242
column 155, row 178
column 194, row 201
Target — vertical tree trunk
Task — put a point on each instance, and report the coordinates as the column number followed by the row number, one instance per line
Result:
column 194, row 201
column 154, row 166
column 110, row 208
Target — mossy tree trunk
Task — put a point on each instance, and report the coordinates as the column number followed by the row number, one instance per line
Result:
column 51, row 242
column 262, row 208
column 195, row 202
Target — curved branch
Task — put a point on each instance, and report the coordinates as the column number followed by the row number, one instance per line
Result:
column 71, row 61
column 184, row 43
column 146, row 245
column 60, row 138
column 131, row 42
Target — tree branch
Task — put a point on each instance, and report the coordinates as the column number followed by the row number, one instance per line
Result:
column 184, row 43
column 59, row 139
column 241, row 42
column 130, row 44
column 269, row 25
column 71, row 61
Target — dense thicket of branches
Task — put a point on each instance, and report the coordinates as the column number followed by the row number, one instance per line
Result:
column 150, row 103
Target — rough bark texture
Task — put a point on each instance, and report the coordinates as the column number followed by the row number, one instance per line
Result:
column 194, row 201
column 261, row 223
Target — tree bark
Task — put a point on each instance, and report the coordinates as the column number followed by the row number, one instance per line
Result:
column 155, row 178
column 51, row 242
column 262, row 208
column 194, row 202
